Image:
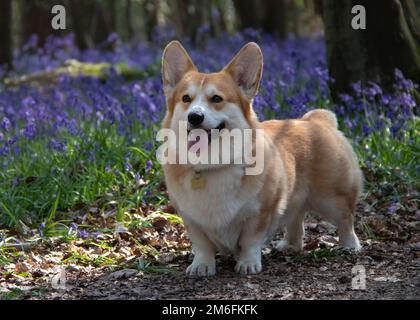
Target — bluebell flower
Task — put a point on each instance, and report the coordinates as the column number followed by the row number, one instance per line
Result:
column 41, row 229
column 58, row 146
column 357, row 88
column 29, row 131
column 82, row 234
column 5, row 124
column 127, row 166
column 149, row 165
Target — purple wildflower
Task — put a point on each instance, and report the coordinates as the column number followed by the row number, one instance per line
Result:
column 73, row 227
column 127, row 166
column 393, row 207
column 41, row 229
column 137, row 178
column 82, row 234
column 5, row 124
column 149, row 165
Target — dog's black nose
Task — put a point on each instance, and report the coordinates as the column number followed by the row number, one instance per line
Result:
column 195, row 118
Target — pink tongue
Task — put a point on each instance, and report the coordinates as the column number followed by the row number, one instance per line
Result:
column 190, row 144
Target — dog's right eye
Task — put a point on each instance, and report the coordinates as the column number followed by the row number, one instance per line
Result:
column 186, row 98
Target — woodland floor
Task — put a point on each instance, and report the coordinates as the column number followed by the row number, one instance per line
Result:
column 393, row 276
column 392, row 270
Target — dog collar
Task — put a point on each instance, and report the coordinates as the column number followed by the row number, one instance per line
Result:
column 198, row 181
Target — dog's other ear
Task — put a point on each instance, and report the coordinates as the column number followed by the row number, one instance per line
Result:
column 175, row 63
column 246, row 69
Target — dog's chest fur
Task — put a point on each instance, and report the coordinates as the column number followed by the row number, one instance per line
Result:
column 221, row 208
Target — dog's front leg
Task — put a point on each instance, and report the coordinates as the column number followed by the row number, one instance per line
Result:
column 250, row 245
column 204, row 263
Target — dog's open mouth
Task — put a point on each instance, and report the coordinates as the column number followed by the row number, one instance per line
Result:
column 210, row 134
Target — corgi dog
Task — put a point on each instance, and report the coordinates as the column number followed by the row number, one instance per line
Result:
column 309, row 166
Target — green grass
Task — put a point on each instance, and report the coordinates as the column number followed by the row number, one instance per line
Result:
column 322, row 254
column 13, row 294
column 84, row 259
column 393, row 165
column 54, row 187
column 148, row 267
column 392, row 158
column 369, row 233
column 40, row 185
column 17, row 294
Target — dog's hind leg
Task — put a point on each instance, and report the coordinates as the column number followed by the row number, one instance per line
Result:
column 293, row 224
column 339, row 210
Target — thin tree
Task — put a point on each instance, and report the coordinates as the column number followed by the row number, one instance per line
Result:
column 5, row 34
column 373, row 53
column 249, row 13
column 269, row 16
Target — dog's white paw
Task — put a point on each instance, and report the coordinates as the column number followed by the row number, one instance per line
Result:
column 202, row 268
column 248, row 266
column 350, row 242
column 283, row 245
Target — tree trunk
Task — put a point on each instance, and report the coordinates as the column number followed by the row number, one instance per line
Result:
column 370, row 54
column 128, row 9
column 188, row 16
column 96, row 26
column 105, row 20
column 80, row 23
column 218, row 20
column 417, row 6
column 36, row 19
column 412, row 17
column 5, row 34
column 268, row 15
column 274, row 19
column 249, row 13
column 151, row 8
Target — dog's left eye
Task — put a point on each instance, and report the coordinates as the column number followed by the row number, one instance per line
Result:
column 216, row 99
column 186, row 98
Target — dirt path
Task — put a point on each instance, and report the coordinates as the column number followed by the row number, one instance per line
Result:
column 392, row 279
column 111, row 267
column 392, row 272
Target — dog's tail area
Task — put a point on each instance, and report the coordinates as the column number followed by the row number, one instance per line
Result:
column 324, row 116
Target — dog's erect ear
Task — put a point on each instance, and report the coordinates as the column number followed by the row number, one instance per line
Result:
column 246, row 69
column 175, row 63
